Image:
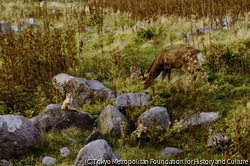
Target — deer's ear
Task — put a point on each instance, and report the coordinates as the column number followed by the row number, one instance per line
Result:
column 140, row 78
column 148, row 75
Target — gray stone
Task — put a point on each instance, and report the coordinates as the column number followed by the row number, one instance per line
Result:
column 108, row 121
column 167, row 152
column 111, row 95
column 49, row 160
column 16, row 29
column 218, row 141
column 106, row 30
column 133, row 76
column 83, row 90
column 17, row 136
column 88, row 29
column 179, row 34
column 65, row 152
column 99, row 150
column 224, row 22
column 30, row 21
column 5, row 26
column 88, row 41
column 60, row 80
column 133, row 99
column 176, row 80
column 157, row 116
column 72, row 139
column 55, row 12
column 93, row 136
column 4, row 163
column 205, row 29
column 202, row 119
column 189, row 36
column 54, row 117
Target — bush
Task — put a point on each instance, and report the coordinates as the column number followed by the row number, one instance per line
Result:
column 29, row 63
column 143, row 34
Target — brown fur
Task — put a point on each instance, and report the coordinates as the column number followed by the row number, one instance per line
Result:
column 169, row 59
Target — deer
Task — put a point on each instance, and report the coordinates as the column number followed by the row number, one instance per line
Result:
column 174, row 58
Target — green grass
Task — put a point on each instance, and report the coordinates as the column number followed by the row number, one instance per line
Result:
column 227, row 93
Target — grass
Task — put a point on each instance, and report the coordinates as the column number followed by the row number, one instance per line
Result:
column 226, row 54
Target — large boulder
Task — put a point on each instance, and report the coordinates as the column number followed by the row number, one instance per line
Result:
column 54, row 117
column 157, row 116
column 200, row 120
column 60, row 80
column 99, row 153
column 17, row 136
column 133, row 99
column 110, row 121
column 83, row 91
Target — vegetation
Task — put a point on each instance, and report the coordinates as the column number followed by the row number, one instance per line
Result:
column 29, row 61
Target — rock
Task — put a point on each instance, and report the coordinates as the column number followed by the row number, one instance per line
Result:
column 30, row 21
column 108, row 121
column 189, row 36
column 202, row 119
column 106, row 30
column 72, row 139
column 16, row 30
column 88, row 41
column 5, row 26
column 17, row 136
column 179, row 34
column 176, row 80
column 133, row 99
column 83, row 90
column 88, row 29
column 60, row 80
column 157, row 116
column 98, row 151
column 93, row 136
column 65, row 152
column 111, row 95
column 133, row 76
column 167, row 152
column 218, row 141
column 54, row 117
column 49, row 160
column 204, row 29
column 4, row 163
column 91, row 74
column 55, row 12
column 224, row 22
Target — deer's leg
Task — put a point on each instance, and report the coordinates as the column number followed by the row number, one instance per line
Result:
column 169, row 74
column 167, row 69
column 164, row 72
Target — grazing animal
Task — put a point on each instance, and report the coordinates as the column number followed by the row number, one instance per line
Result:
column 173, row 58
column 67, row 102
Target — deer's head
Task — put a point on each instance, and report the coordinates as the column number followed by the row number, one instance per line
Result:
column 145, row 78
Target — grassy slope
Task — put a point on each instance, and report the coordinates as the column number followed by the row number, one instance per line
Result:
column 223, row 98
